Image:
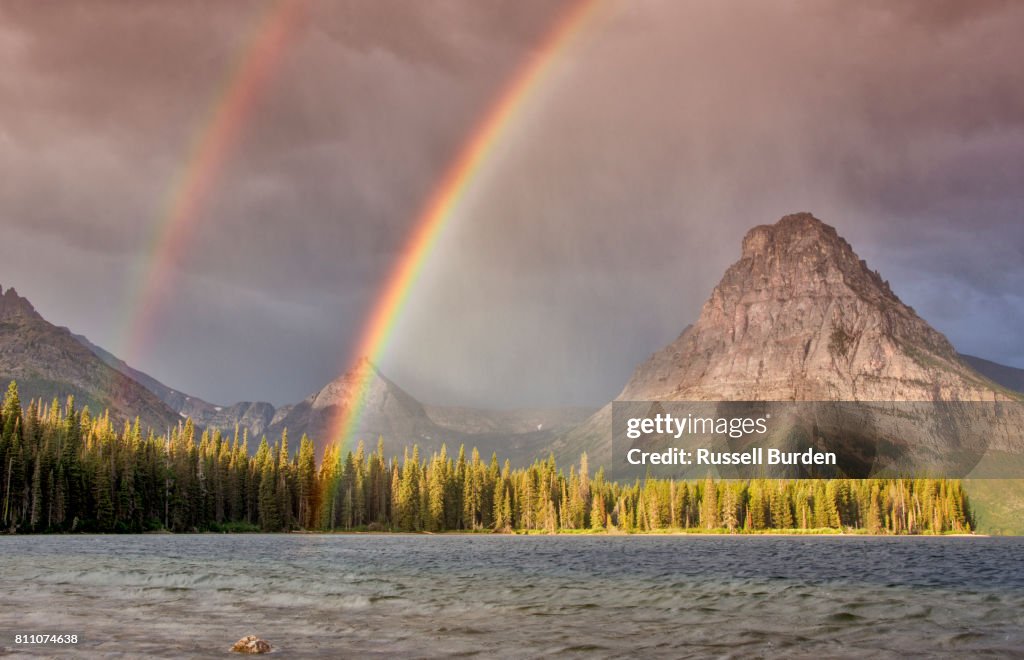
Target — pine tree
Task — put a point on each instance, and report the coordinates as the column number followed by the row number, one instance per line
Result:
column 597, row 513
column 11, row 459
column 102, row 495
column 709, row 514
column 359, row 495
column 11, row 414
column 396, row 506
column 37, row 497
column 269, row 514
column 873, row 521
column 730, row 508
column 471, row 495
column 328, row 488
column 284, row 483
column 436, row 484
column 307, row 484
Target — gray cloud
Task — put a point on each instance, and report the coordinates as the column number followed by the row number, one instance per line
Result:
column 596, row 229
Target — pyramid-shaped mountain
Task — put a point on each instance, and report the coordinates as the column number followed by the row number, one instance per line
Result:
column 800, row 317
column 389, row 413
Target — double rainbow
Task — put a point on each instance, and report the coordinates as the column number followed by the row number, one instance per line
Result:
column 220, row 131
column 441, row 206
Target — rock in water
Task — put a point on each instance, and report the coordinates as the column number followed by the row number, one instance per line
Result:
column 251, row 644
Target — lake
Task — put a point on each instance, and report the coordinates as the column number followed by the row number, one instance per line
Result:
column 515, row 596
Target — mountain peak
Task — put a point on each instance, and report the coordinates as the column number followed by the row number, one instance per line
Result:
column 362, row 366
column 11, row 304
column 801, row 317
column 797, row 230
column 806, row 251
column 361, row 379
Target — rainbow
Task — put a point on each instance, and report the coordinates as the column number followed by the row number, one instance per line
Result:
column 206, row 156
column 440, row 207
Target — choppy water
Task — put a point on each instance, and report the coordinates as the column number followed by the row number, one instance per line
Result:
column 514, row 596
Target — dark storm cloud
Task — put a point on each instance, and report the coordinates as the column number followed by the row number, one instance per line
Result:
column 108, row 98
column 596, row 229
column 367, row 104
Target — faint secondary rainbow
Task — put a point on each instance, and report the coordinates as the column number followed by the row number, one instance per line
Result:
column 207, row 153
column 441, row 205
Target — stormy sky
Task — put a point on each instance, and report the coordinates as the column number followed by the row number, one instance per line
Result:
column 594, row 232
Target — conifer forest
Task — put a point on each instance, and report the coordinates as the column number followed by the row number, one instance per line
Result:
column 65, row 470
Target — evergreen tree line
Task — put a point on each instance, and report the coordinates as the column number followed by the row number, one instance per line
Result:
column 65, row 470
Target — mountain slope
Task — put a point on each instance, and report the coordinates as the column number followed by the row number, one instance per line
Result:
column 1010, row 377
column 800, row 317
column 252, row 416
column 48, row 362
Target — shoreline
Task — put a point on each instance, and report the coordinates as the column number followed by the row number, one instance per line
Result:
column 642, row 534
column 706, row 534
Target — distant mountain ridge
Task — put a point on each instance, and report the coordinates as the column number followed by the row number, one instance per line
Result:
column 255, row 417
column 390, row 413
column 393, row 415
column 1010, row 377
column 48, row 362
column 519, row 420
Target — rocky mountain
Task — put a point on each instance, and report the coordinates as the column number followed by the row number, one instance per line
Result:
column 49, row 362
column 392, row 414
column 389, row 411
column 252, row 416
column 800, row 317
